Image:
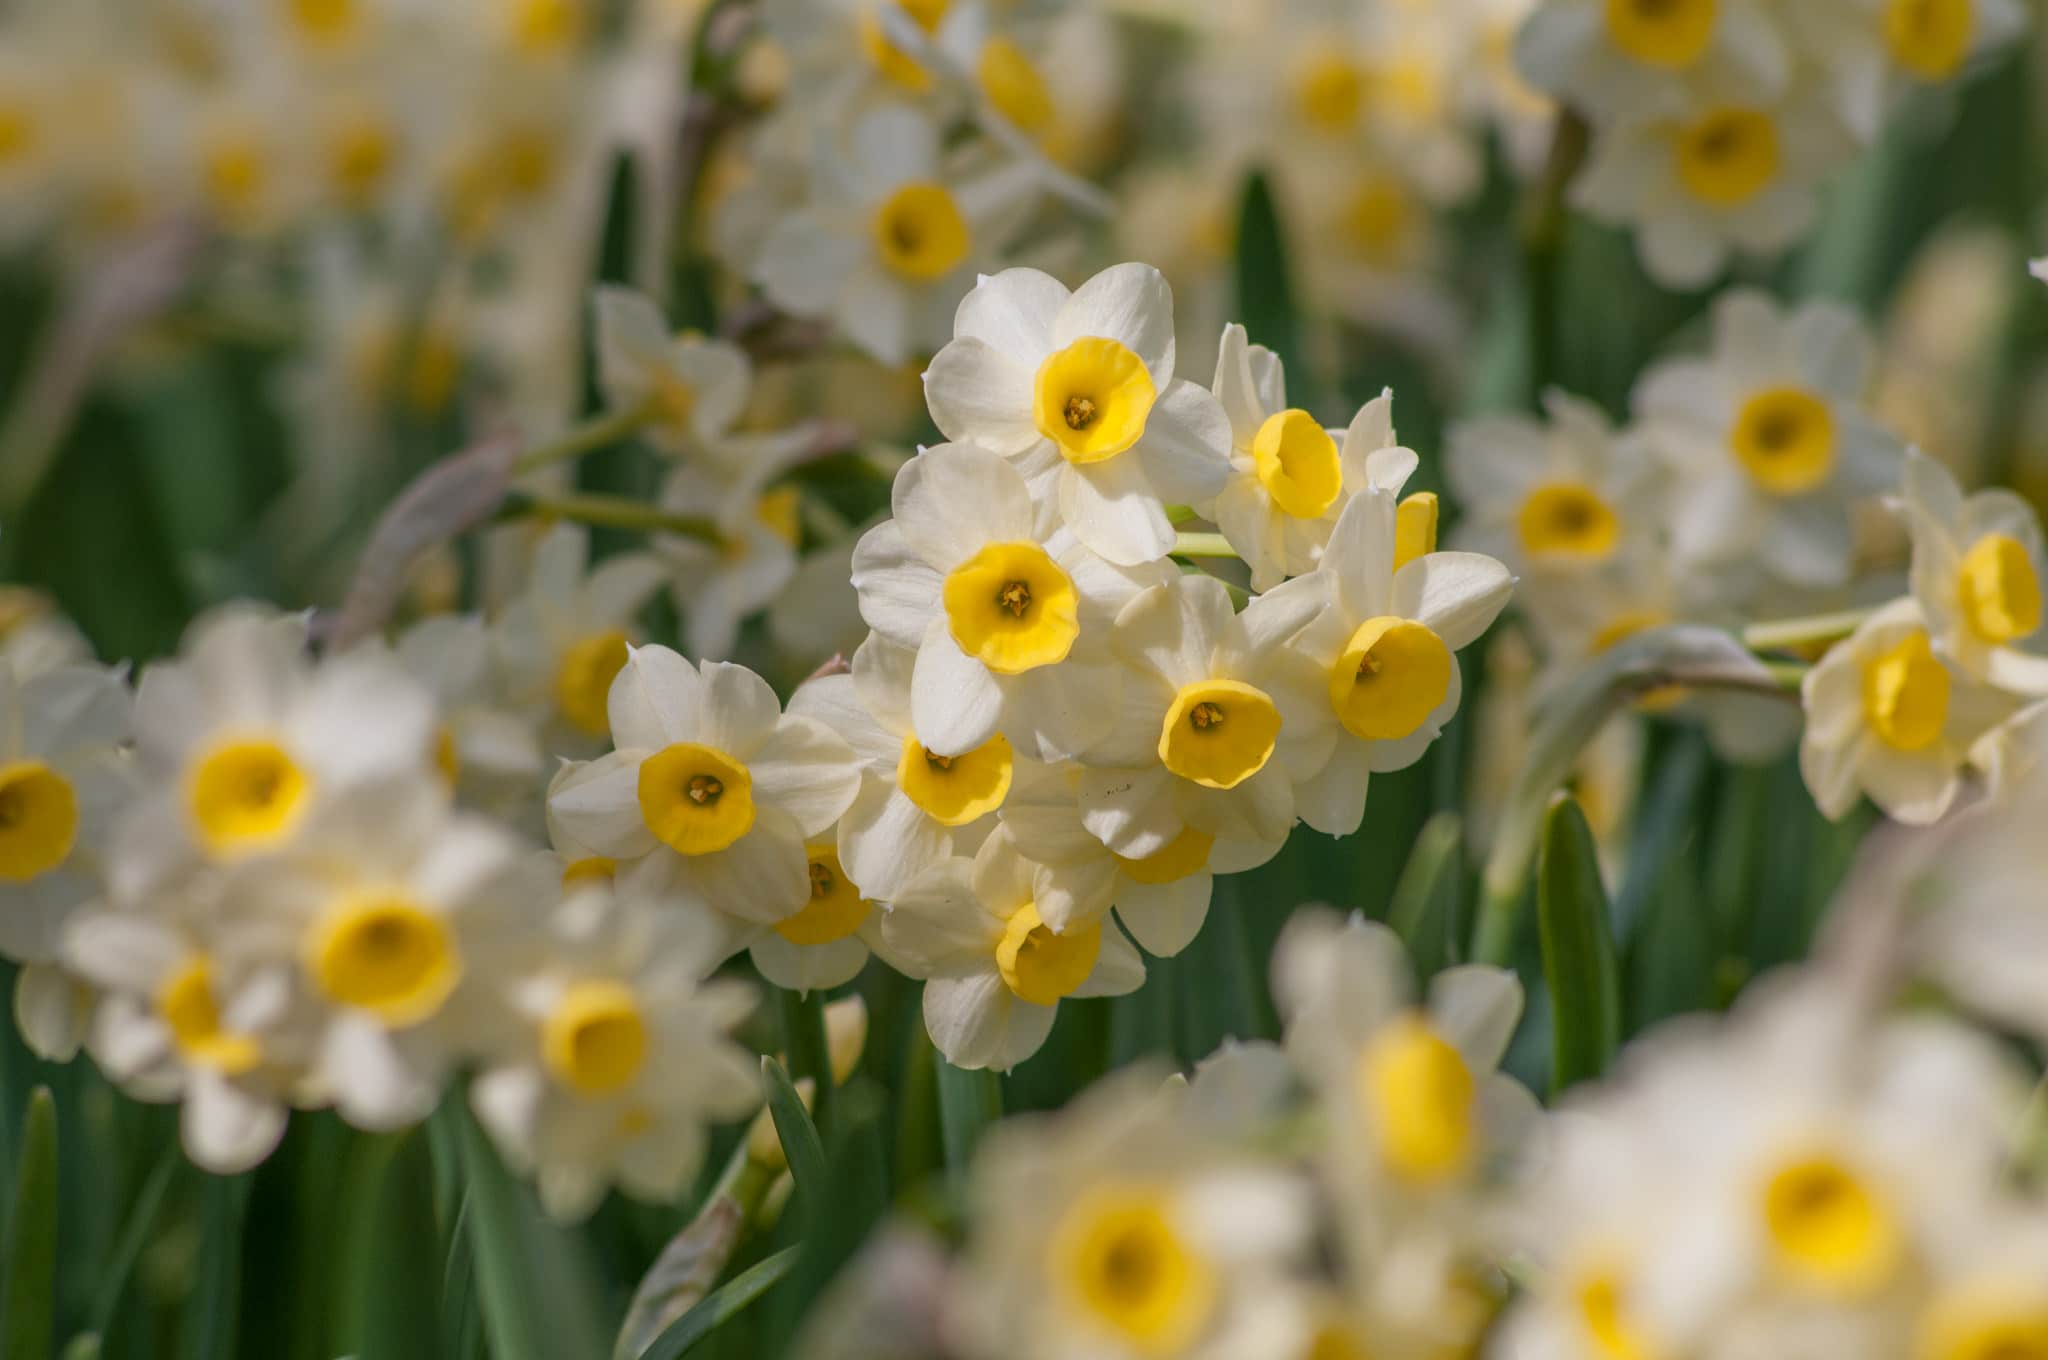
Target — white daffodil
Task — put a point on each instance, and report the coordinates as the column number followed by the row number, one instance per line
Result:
column 830, row 940
column 1079, row 389
column 562, row 641
column 1768, row 442
column 994, row 972
column 717, row 587
column 181, row 1021
column 64, row 777
column 1889, row 715
column 35, row 636
column 891, row 237
column 396, row 910
column 694, row 387
column 1290, row 477
column 1978, row 565
column 1008, row 614
column 1418, row 1106
column 1701, row 183
column 1162, row 899
column 914, row 807
column 1118, row 1230
column 713, row 790
column 242, row 736
column 1557, row 496
column 488, row 751
column 1219, row 721
column 53, row 1008
column 1623, row 58
column 1876, row 52
column 1382, row 646
column 619, row 1055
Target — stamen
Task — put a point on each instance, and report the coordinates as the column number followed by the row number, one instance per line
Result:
column 1015, row 596
column 821, row 881
column 703, row 789
column 1205, row 716
column 1080, row 412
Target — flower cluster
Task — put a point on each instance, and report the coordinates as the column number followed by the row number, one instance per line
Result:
column 1715, row 123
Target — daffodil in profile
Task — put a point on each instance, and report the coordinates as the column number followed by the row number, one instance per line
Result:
column 1768, row 442
column 1978, row 570
column 713, row 791
column 692, row 387
column 1008, row 613
column 618, row 1053
column 995, row 972
column 1891, row 715
column 1079, row 390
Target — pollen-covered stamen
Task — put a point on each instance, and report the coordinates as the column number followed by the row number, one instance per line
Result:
column 938, row 762
column 1368, row 666
column 822, row 881
column 1080, row 413
column 1015, row 596
column 703, row 789
column 1205, row 716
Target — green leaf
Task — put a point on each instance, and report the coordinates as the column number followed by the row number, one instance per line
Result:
column 1265, row 292
column 213, row 1315
column 1424, row 912
column 1578, row 949
column 531, row 1289
column 800, row 1141
column 805, row 1047
column 28, row 1293
column 113, row 1281
column 969, row 1101
column 721, row 1305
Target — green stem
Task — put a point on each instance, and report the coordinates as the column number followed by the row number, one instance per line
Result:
column 1785, row 634
column 1543, row 231
column 599, row 432
column 808, row 1049
column 969, row 1101
column 1202, row 545
column 617, row 512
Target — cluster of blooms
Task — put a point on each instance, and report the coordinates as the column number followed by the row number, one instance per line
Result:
column 261, row 880
column 1810, row 1176
column 1715, row 122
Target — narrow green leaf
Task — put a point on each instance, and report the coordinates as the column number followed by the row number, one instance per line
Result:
column 213, row 1315
column 806, row 1048
column 1265, row 292
column 120, row 1264
column 1578, row 949
column 800, row 1141
column 969, row 1101
column 28, row 1294
column 721, row 1305
column 690, row 1264
column 1424, row 911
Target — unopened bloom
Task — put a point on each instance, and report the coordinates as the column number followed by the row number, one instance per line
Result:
column 1079, row 389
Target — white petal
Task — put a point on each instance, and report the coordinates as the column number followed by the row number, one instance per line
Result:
column 954, row 499
column 1118, row 969
column 1166, row 917
column 1333, row 802
column 980, row 395
column 1013, row 313
column 886, row 841
column 375, row 1087
column 656, row 699
column 1185, row 449
column 955, row 703
column 1131, row 811
column 597, row 804
column 899, row 591
column 1476, row 1008
column 1130, row 304
column 1112, row 508
column 1457, row 595
column 808, row 771
column 764, row 876
column 977, row 1023
column 227, row 1129
column 1173, row 631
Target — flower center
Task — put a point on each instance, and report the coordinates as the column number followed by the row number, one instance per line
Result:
column 835, row 908
column 1092, row 399
column 1667, row 33
column 1041, row 967
column 359, row 156
column 1729, row 156
column 1182, row 857
column 322, row 22
column 38, row 820
column 594, row 1041
column 1998, row 590
column 1012, row 608
column 186, row 1004
column 246, row 794
column 1423, row 1098
column 1329, row 93
column 1568, row 519
column 1378, row 218
column 384, row 954
column 1013, row 86
column 695, row 799
column 1415, row 522
column 1827, row 1226
column 17, row 130
column 1985, row 1320
column 1785, row 439
column 920, row 232
column 1930, row 38
column 1391, row 676
column 583, row 681
column 1906, row 694
column 1219, row 733
column 1119, row 1261
column 893, row 62
column 956, row 790
column 1297, row 463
